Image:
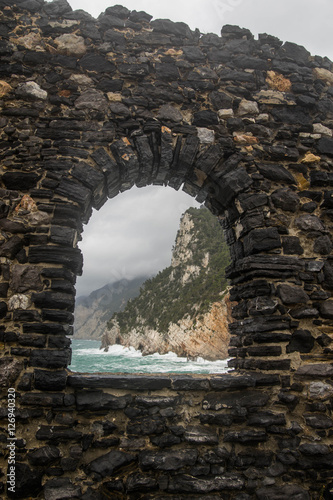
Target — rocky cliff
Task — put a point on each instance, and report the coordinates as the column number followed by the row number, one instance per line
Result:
column 185, row 308
column 93, row 312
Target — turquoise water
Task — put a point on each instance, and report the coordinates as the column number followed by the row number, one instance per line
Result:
column 88, row 358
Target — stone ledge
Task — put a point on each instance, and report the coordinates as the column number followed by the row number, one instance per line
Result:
column 142, row 382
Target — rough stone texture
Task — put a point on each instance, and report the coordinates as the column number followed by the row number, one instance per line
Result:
column 90, row 108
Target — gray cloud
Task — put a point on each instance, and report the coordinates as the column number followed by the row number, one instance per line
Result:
column 132, row 235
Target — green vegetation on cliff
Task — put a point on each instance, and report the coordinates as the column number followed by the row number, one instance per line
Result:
column 190, row 285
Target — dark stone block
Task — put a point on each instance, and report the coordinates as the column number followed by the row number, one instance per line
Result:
column 167, row 460
column 98, row 400
column 46, row 455
column 12, row 226
column 276, row 173
column 50, row 381
column 231, row 184
column 146, row 426
column 32, row 340
column 200, row 435
column 23, row 181
column 224, row 382
column 292, row 294
column 165, row 441
column 189, row 383
column 171, row 28
column 141, row 70
column 323, row 245
column 301, row 341
column 37, row 399
column 261, row 240
column 282, row 492
column 160, row 401
column 205, row 118
column 249, row 398
column 48, row 358
column 325, row 146
column 133, row 382
column 57, row 433
column 54, row 300
column 285, row 199
column 107, row 464
column 71, row 258
column 245, row 437
column 326, row 309
column 266, row 419
column 28, row 482
column 62, row 236
column 314, row 449
column 11, row 247
column 291, row 245
column 317, row 421
column 97, row 63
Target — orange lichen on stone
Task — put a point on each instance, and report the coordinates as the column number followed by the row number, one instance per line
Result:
column 166, row 130
column 276, row 81
column 126, row 141
column 302, row 182
column 27, row 204
column 64, row 93
column 310, row 158
column 245, row 139
column 4, row 88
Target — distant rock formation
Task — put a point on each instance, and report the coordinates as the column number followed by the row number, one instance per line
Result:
column 93, row 312
column 186, row 307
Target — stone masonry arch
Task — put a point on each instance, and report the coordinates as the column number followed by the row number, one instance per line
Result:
column 90, row 108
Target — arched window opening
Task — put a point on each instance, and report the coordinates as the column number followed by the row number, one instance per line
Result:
column 152, row 297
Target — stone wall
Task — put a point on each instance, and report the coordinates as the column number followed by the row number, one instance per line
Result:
column 90, row 108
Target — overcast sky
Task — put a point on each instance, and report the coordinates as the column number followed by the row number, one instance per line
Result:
column 133, row 233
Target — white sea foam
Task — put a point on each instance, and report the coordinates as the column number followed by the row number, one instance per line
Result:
column 88, row 357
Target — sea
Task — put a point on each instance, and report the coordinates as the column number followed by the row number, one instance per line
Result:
column 87, row 357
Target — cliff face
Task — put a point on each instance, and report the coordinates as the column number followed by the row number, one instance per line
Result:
column 185, row 308
column 93, row 312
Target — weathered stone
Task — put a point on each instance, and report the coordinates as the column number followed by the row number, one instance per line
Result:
column 97, row 63
column 10, row 371
column 292, row 295
column 5, row 88
column 91, row 99
column 18, row 301
column 200, row 435
column 320, row 390
column 286, row 199
column 190, row 484
column 167, row 460
column 278, row 82
column 28, row 482
column 282, row 492
column 318, row 421
column 315, row 370
column 246, row 108
column 43, row 456
column 259, row 240
column 245, row 437
column 169, row 113
column 205, row 118
column 276, row 173
column 49, row 380
column 32, row 90
column 206, row 136
column 309, row 223
column 246, row 399
column 49, row 358
column 291, row 245
column 323, row 245
column 97, row 400
column 301, row 341
column 71, row 45
column 323, row 74
column 58, row 488
column 106, row 464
